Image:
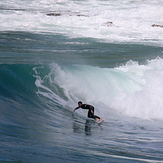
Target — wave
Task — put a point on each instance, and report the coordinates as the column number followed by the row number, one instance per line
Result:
column 132, row 90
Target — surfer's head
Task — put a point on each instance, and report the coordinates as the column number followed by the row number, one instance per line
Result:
column 79, row 103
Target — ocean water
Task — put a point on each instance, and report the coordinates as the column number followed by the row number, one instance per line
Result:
column 54, row 53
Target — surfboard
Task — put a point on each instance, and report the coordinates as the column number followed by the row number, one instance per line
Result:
column 99, row 121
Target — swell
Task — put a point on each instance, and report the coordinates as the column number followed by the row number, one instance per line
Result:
column 27, row 115
column 16, row 82
column 20, row 105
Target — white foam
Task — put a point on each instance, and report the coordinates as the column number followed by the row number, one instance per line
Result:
column 133, row 90
column 131, row 20
column 147, row 102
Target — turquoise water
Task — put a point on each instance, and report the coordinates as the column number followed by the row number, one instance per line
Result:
column 48, row 64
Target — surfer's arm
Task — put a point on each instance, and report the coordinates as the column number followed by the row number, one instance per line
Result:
column 76, row 108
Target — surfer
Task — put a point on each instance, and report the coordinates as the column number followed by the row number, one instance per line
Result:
column 90, row 111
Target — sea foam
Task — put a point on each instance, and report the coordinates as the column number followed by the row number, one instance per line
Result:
column 110, row 21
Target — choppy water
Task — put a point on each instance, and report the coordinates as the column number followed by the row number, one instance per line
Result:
column 49, row 63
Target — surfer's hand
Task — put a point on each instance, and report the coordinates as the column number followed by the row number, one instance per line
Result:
column 74, row 110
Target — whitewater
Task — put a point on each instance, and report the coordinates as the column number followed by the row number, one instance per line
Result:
column 112, row 21
column 108, row 54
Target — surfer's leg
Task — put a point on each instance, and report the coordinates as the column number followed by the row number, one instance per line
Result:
column 90, row 114
column 96, row 117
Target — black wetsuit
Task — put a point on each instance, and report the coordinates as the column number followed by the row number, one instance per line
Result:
column 91, row 108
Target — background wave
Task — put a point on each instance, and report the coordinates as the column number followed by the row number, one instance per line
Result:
column 109, row 21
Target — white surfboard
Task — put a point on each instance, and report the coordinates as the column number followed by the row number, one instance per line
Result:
column 99, row 121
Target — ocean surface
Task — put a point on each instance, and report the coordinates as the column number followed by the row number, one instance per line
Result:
column 54, row 53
